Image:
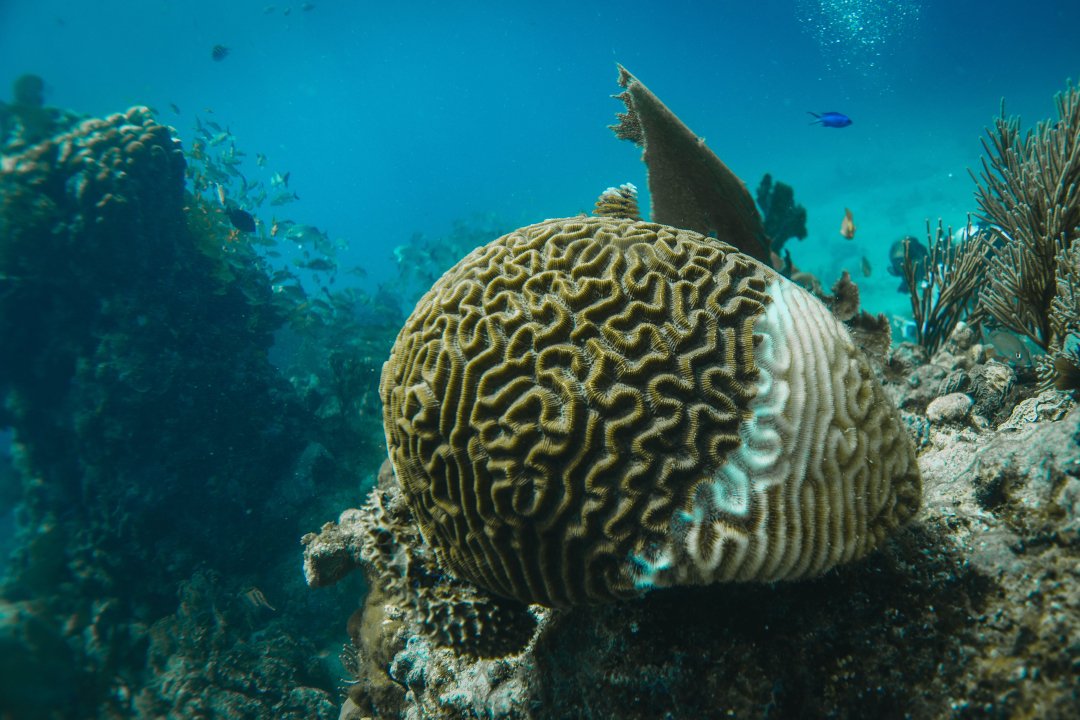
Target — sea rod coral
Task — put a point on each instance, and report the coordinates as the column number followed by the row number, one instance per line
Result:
column 942, row 284
column 1029, row 196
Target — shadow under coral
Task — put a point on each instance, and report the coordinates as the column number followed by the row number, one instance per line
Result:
column 850, row 644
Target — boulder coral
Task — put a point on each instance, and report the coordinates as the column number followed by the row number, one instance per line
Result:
column 590, row 407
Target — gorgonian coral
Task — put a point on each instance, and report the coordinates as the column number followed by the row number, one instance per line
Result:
column 942, row 284
column 1029, row 197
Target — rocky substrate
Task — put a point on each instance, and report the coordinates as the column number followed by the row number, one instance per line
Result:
column 973, row 611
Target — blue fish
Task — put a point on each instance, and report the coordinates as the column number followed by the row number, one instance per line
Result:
column 831, row 119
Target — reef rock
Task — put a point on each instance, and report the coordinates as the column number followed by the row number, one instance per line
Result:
column 136, row 382
column 602, row 417
column 971, row 612
column 952, row 408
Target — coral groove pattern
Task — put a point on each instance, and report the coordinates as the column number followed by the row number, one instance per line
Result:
column 810, row 486
column 587, row 407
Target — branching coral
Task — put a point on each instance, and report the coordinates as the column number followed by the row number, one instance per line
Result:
column 1029, row 194
column 1062, row 366
column 1065, row 307
column 943, row 283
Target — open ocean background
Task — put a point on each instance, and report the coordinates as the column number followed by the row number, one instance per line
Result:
column 404, row 117
column 391, row 122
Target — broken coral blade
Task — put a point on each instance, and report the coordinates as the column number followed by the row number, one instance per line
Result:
column 690, row 186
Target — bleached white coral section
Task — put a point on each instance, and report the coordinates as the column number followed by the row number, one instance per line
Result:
column 749, row 520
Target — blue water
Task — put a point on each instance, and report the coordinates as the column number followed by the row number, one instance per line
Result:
column 403, row 118
column 392, row 120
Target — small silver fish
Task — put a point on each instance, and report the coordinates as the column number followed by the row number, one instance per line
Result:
column 219, row 138
column 284, row 198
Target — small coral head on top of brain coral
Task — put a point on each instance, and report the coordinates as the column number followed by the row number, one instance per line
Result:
column 590, row 407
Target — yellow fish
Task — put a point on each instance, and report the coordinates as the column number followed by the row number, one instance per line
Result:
column 847, row 226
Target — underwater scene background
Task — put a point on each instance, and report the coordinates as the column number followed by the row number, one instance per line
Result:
column 216, row 217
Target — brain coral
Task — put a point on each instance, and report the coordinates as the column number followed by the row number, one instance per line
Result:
column 590, row 407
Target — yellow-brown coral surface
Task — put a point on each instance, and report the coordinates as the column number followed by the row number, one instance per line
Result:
column 589, row 407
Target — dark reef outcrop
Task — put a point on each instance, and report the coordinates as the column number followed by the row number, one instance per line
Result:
column 159, row 452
